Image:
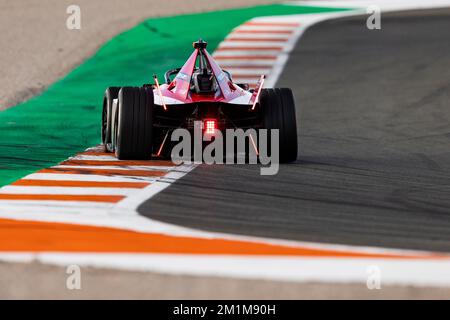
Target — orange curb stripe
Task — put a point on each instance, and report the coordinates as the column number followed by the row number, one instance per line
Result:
column 265, row 31
column 82, row 184
column 61, row 197
column 106, row 172
column 272, row 24
column 246, row 57
column 249, row 48
column 31, row 236
column 117, row 163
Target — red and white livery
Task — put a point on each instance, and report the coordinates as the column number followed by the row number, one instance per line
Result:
column 137, row 121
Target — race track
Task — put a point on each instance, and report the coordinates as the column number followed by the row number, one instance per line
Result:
column 374, row 162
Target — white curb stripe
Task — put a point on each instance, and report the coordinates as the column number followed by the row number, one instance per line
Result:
column 260, row 45
column 257, row 36
column 25, row 209
column 88, row 177
column 227, row 63
column 94, row 158
column 235, row 71
column 66, row 190
column 253, row 53
column 263, row 28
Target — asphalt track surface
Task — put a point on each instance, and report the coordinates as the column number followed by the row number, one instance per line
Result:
column 374, row 139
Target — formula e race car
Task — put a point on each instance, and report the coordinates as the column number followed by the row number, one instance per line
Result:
column 137, row 121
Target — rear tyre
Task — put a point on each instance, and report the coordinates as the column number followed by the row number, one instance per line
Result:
column 134, row 123
column 278, row 112
column 111, row 93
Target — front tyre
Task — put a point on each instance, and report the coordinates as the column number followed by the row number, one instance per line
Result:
column 134, row 123
column 111, row 93
column 278, row 112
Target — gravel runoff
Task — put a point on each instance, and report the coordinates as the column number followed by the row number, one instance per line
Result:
column 38, row 281
column 37, row 48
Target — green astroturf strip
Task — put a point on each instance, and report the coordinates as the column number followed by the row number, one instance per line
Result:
column 65, row 119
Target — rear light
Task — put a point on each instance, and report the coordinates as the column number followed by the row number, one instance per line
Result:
column 210, row 126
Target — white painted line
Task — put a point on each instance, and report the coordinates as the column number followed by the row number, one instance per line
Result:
column 258, row 267
column 132, row 202
column 305, row 21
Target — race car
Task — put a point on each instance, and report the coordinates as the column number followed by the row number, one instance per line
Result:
column 137, row 121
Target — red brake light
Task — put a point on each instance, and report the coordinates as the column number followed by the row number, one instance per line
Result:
column 210, row 126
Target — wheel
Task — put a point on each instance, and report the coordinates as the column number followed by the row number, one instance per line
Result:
column 278, row 112
column 110, row 94
column 134, row 123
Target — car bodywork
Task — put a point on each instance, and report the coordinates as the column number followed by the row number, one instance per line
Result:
column 178, row 105
column 137, row 121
